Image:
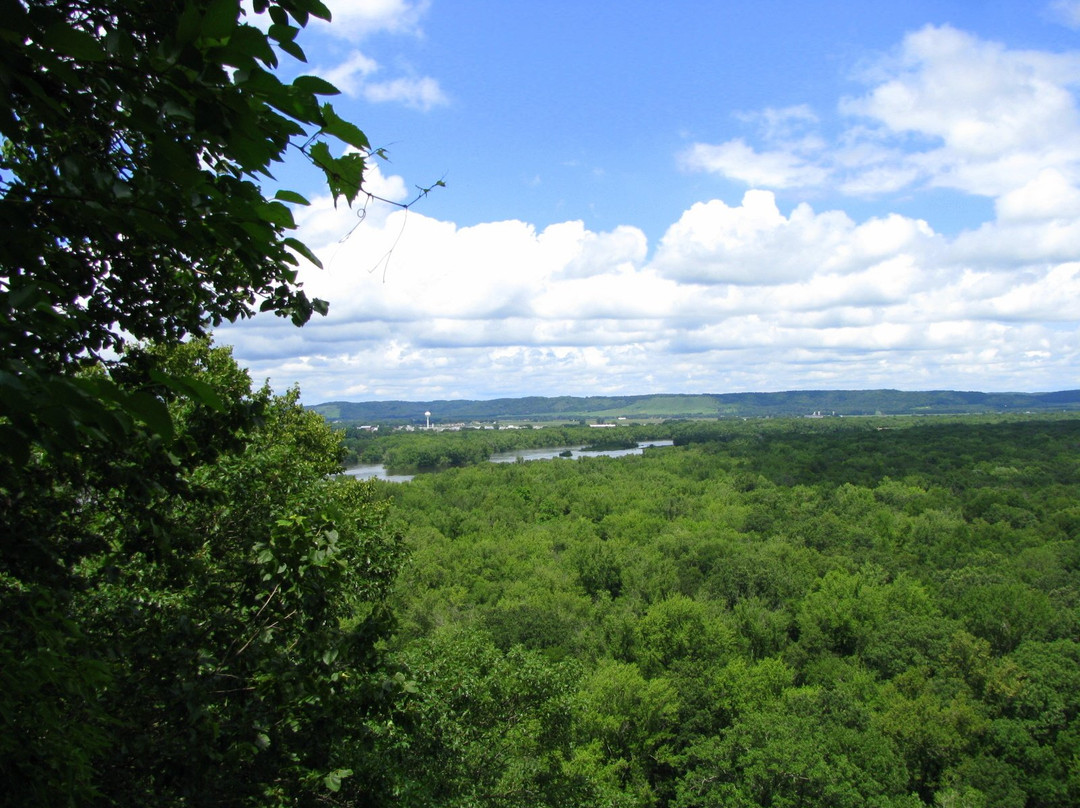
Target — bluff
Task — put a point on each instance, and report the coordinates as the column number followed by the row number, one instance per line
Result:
column 788, row 403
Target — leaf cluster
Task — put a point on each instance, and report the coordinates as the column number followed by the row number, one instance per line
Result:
column 135, row 137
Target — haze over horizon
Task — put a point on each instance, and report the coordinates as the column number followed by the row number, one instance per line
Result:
column 704, row 198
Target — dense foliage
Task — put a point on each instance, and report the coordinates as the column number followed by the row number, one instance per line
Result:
column 769, row 615
column 135, row 138
column 197, row 625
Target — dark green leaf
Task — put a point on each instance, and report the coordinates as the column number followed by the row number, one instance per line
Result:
column 319, row 10
column 14, row 445
column 315, row 85
column 283, row 33
column 221, row 19
column 190, row 387
column 252, row 41
column 293, row 50
column 303, row 249
column 291, row 196
column 69, row 41
column 338, row 127
column 188, row 24
column 276, row 213
column 152, row 412
column 320, row 155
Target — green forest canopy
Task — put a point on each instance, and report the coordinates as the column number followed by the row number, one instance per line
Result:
column 771, row 614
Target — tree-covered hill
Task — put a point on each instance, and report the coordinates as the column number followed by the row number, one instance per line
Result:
column 790, row 403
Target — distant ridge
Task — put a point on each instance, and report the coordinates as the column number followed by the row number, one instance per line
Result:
column 790, row 403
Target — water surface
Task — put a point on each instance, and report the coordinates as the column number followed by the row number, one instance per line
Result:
column 378, row 470
column 576, row 452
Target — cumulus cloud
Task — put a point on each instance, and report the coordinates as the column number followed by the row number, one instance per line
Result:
column 355, row 73
column 754, row 244
column 349, row 75
column 994, row 116
column 1049, row 195
column 947, row 109
column 356, row 19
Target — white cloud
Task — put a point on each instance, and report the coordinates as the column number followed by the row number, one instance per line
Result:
column 590, row 254
column 353, row 77
column 1050, row 195
column 1003, row 246
column 356, row 19
column 421, row 93
column 947, row 109
column 993, row 116
column 735, row 298
column 754, row 244
column 350, row 74
column 735, row 159
column 353, row 20
column 1067, row 12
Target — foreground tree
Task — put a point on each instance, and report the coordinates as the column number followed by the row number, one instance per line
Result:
column 207, row 635
column 134, row 141
column 188, row 602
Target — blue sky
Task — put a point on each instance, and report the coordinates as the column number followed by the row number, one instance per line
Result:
column 694, row 197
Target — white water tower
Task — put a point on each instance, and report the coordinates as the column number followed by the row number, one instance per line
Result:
column 427, row 418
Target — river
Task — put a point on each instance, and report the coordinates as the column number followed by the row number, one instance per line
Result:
column 378, row 470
